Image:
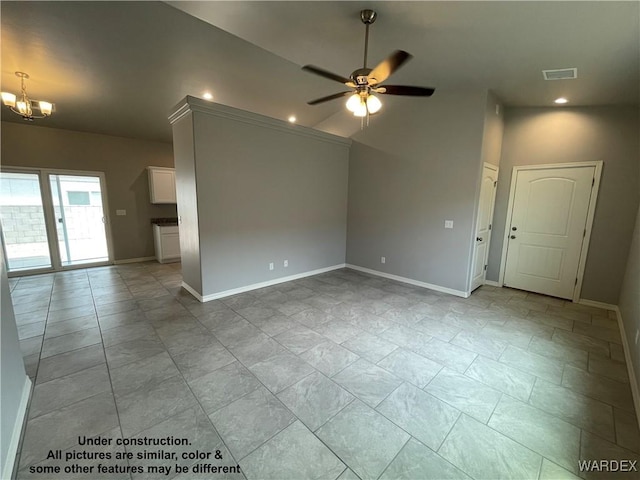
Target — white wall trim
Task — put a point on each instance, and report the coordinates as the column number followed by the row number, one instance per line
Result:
column 627, row 356
column 255, row 286
column 133, row 260
column 593, row 303
column 17, row 429
column 430, row 286
column 192, row 291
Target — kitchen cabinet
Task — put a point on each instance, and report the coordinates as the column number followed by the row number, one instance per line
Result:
column 167, row 243
column 162, row 184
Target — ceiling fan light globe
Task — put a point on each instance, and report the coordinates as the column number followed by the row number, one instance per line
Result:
column 354, row 102
column 361, row 111
column 373, row 104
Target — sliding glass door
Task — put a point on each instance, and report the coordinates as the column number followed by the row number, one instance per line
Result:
column 80, row 219
column 53, row 219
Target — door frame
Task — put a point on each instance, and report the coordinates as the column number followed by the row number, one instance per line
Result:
column 49, row 217
column 584, row 248
column 496, row 169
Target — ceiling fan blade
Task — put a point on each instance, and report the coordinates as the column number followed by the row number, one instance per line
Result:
column 387, row 67
column 405, row 90
column 330, row 97
column 326, row 74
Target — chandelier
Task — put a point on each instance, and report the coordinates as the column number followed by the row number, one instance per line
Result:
column 23, row 105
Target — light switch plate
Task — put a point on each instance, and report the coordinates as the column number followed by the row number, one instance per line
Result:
column 121, row 212
column 448, row 224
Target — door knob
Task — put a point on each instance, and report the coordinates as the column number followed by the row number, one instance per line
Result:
column 478, row 239
column 514, row 228
column 512, row 237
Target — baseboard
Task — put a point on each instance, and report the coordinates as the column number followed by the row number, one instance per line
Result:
column 9, row 463
column 593, row 303
column 492, row 283
column 430, row 286
column 133, row 260
column 255, row 286
column 192, row 291
column 627, row 356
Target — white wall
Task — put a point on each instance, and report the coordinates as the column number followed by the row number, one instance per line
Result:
column 266, row 191
column 535, row 136
column 15, row 385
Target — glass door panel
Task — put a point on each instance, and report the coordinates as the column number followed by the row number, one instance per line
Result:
column 79, row 219
column 23, row 222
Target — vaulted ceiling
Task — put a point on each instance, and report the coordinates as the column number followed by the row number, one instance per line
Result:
column 119, row 67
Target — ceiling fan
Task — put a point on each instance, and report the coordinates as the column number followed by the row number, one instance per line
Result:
column 364, row 81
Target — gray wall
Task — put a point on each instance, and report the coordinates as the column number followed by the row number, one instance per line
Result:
column 559, row 135
column 13, row 377
column 630, row 301
column 267, row 191
column 414, row 167
column 493, row 131
column 124, row 162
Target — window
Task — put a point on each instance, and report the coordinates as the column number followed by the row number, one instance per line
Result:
column 78, row 198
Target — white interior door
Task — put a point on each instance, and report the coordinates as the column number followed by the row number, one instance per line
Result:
column 483, row 225
column 547, row 228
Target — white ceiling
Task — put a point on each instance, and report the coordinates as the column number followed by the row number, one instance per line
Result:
column 119, row 67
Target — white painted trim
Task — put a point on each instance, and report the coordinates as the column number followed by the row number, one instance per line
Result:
column 590, row 215
column 635, row 392
column 17, row 429
column 192, row 291
column 133, row 260
column 193, row 104
column 492, row 283
column 255, row 286
column 593, row 303
column 430, row 286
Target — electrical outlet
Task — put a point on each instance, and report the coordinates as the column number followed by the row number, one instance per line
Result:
column 286, row 263
column 271, row 266
column 383, row 259
column 637, row 336
column 448, row 224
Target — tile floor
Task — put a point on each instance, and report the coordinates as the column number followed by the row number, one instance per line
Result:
column 341, row 375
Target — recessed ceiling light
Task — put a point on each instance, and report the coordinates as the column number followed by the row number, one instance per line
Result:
column 561, row 100
column 292, row 119
column 207, row 96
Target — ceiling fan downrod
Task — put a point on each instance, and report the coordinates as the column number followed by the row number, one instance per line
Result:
column 367, row 17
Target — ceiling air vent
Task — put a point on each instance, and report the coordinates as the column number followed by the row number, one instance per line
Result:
column 560, row 74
